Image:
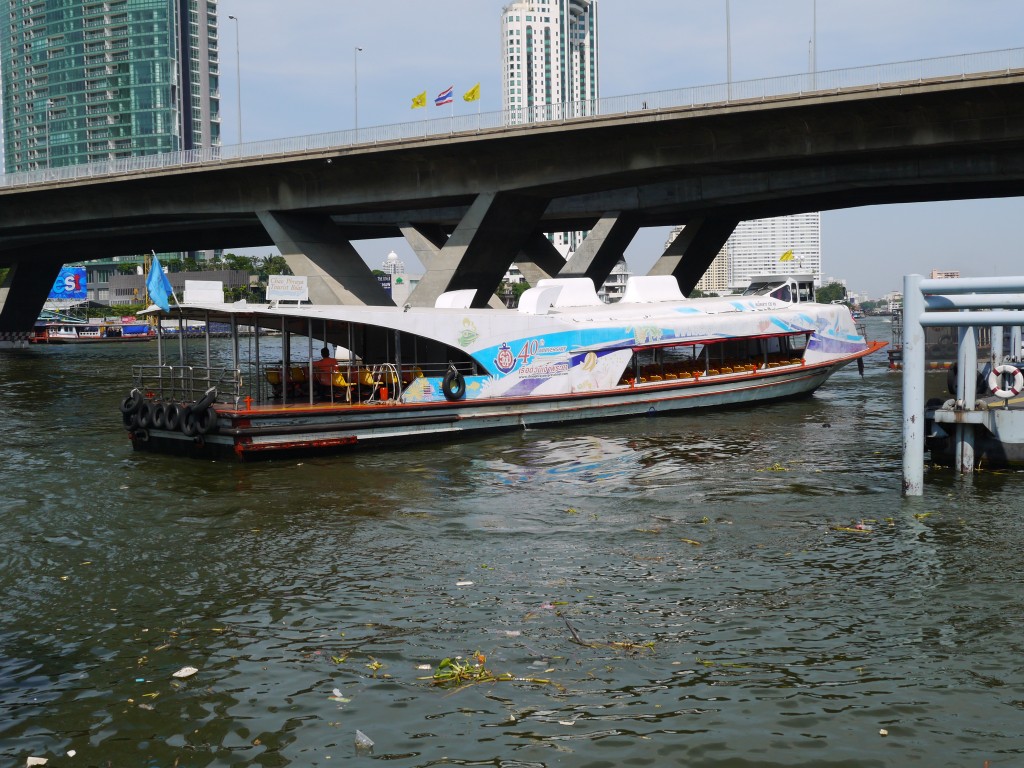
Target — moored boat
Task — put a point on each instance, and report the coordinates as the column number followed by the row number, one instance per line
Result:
column 91, row 331
column 409, row 374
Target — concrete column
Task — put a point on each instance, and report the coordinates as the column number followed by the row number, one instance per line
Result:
column 22, row 296
column 913, row 386
column 539, row 259
column 315, row 247
column 480, row 250
column 426, row 241
column 603, row 248
column 691, row 253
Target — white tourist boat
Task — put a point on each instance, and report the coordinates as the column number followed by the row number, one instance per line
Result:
column 408, row 374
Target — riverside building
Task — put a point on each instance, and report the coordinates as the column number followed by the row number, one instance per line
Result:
column 100, row 80
column 550, row 67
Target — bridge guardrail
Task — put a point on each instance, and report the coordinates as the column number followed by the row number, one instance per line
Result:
column 803, row 85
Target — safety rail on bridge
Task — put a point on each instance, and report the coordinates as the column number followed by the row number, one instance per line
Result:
column 805, row 85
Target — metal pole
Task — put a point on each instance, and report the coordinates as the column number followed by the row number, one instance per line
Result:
column 966, row 393
column 814, row 49
column 238, row 74
column 355, row 80
column 913, row 386
column 728, row 52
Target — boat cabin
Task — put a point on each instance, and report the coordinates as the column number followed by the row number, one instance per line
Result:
column 795, row 289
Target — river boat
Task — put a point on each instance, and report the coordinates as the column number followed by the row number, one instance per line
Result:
column 91, row 332
column 411, row 374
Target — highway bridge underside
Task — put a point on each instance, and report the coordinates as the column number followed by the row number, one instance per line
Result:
column 472, row 205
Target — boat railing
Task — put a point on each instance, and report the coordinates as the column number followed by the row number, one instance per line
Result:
column 188, row 383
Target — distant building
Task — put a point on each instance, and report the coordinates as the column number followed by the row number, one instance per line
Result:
column 716, row 279
column 615, row 286
column 131, row 289
column 550, row 68
column 89, row 80
column 393, row 265
column 948, row 274
column 779, row 245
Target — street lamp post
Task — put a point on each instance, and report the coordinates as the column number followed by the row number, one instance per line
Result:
column 49, row 109
column 238, row 75
column 728, row 52
column 355, row 80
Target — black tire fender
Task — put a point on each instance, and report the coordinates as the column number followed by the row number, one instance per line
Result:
column 158, row 416
column 132, row 402
column 130, row 420
column 190, row 424
column 453, row 386
column 145, row 414
column 206, row 422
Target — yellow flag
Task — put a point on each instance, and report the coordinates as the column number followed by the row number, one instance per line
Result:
column 419, row 101
column 473, row 94
column 787, row 256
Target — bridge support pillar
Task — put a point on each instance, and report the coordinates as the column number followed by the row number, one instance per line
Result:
column 315, row 247
column 22, row 294
column 426, row 242
column 481, row 248
column 688, row 257
column 603, row 248
column 539, row 259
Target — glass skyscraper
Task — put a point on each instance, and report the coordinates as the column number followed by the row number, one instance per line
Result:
column 96, row 80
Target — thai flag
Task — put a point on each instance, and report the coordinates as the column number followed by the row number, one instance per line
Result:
column 444, row 97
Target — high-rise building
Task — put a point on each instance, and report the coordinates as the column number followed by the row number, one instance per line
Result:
column 93, row 80
column 549, row 49
column 550, row 55
column 716, row 279
column 779, row 245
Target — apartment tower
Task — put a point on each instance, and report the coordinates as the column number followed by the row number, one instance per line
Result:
column 104, row 79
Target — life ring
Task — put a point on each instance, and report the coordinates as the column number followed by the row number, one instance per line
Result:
column 995, row 380
column 132, row 402
column 453, row 386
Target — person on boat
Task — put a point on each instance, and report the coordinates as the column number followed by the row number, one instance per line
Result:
column 326, row 361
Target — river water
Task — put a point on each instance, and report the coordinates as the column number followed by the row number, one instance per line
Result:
column 686, row 590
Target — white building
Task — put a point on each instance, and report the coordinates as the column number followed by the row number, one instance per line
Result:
column 550, row 58
column 393, row 265
column 549, row 50
column 780, row 245
column 615, row 286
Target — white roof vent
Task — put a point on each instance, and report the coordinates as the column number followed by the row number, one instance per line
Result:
column 456, row 299
column 576, row 291
column 647, row 289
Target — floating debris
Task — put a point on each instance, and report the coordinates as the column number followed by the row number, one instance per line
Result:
column 185, row 672
column 691, row 541
column 338, row 697
column 457, row 672
column 35, row 761
column 363, row 742
column 463, row 583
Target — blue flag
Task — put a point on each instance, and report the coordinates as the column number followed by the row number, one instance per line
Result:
column 159, row 286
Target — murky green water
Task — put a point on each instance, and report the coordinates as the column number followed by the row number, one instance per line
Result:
column 724, row 619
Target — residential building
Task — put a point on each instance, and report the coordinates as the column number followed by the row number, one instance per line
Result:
column 550, row 69
column 615, row 286
column 95, row 80
column 716, row 279
column 779, row 245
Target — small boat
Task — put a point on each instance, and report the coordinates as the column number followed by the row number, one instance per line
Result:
column 410, row 374
column 91, row 331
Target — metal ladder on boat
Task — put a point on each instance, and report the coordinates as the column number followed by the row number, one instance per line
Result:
column 385, row 379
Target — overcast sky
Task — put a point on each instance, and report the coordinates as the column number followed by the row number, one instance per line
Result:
column 298, row 77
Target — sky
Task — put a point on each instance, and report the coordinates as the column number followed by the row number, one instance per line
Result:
column 300, row 71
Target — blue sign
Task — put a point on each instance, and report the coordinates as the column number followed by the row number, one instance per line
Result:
column 385, row 282
column 70, row 284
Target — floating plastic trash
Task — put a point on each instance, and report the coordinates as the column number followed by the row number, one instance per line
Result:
column 363, row 741
column 185, row 672
column 463, row 583
column 35, row 761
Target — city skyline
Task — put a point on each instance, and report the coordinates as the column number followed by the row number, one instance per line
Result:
column 301, row 72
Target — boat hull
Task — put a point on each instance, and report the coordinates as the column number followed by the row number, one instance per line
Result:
column 269, row 431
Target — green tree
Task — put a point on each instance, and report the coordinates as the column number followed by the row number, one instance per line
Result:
column 831, row 292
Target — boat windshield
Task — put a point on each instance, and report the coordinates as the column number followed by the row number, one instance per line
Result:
column 776, row 289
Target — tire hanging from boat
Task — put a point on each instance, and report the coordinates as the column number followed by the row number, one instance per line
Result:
column 173, row 415
column 131, row 402
column 206, row 422
column 453, row 386
column 158, row 416
column 145, row 414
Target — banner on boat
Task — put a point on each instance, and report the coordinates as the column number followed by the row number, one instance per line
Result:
column 70, row 284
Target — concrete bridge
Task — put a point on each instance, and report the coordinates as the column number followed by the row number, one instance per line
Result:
column 475, row 200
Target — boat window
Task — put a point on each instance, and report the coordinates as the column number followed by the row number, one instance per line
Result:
column 761, row 288
column 783, row 293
